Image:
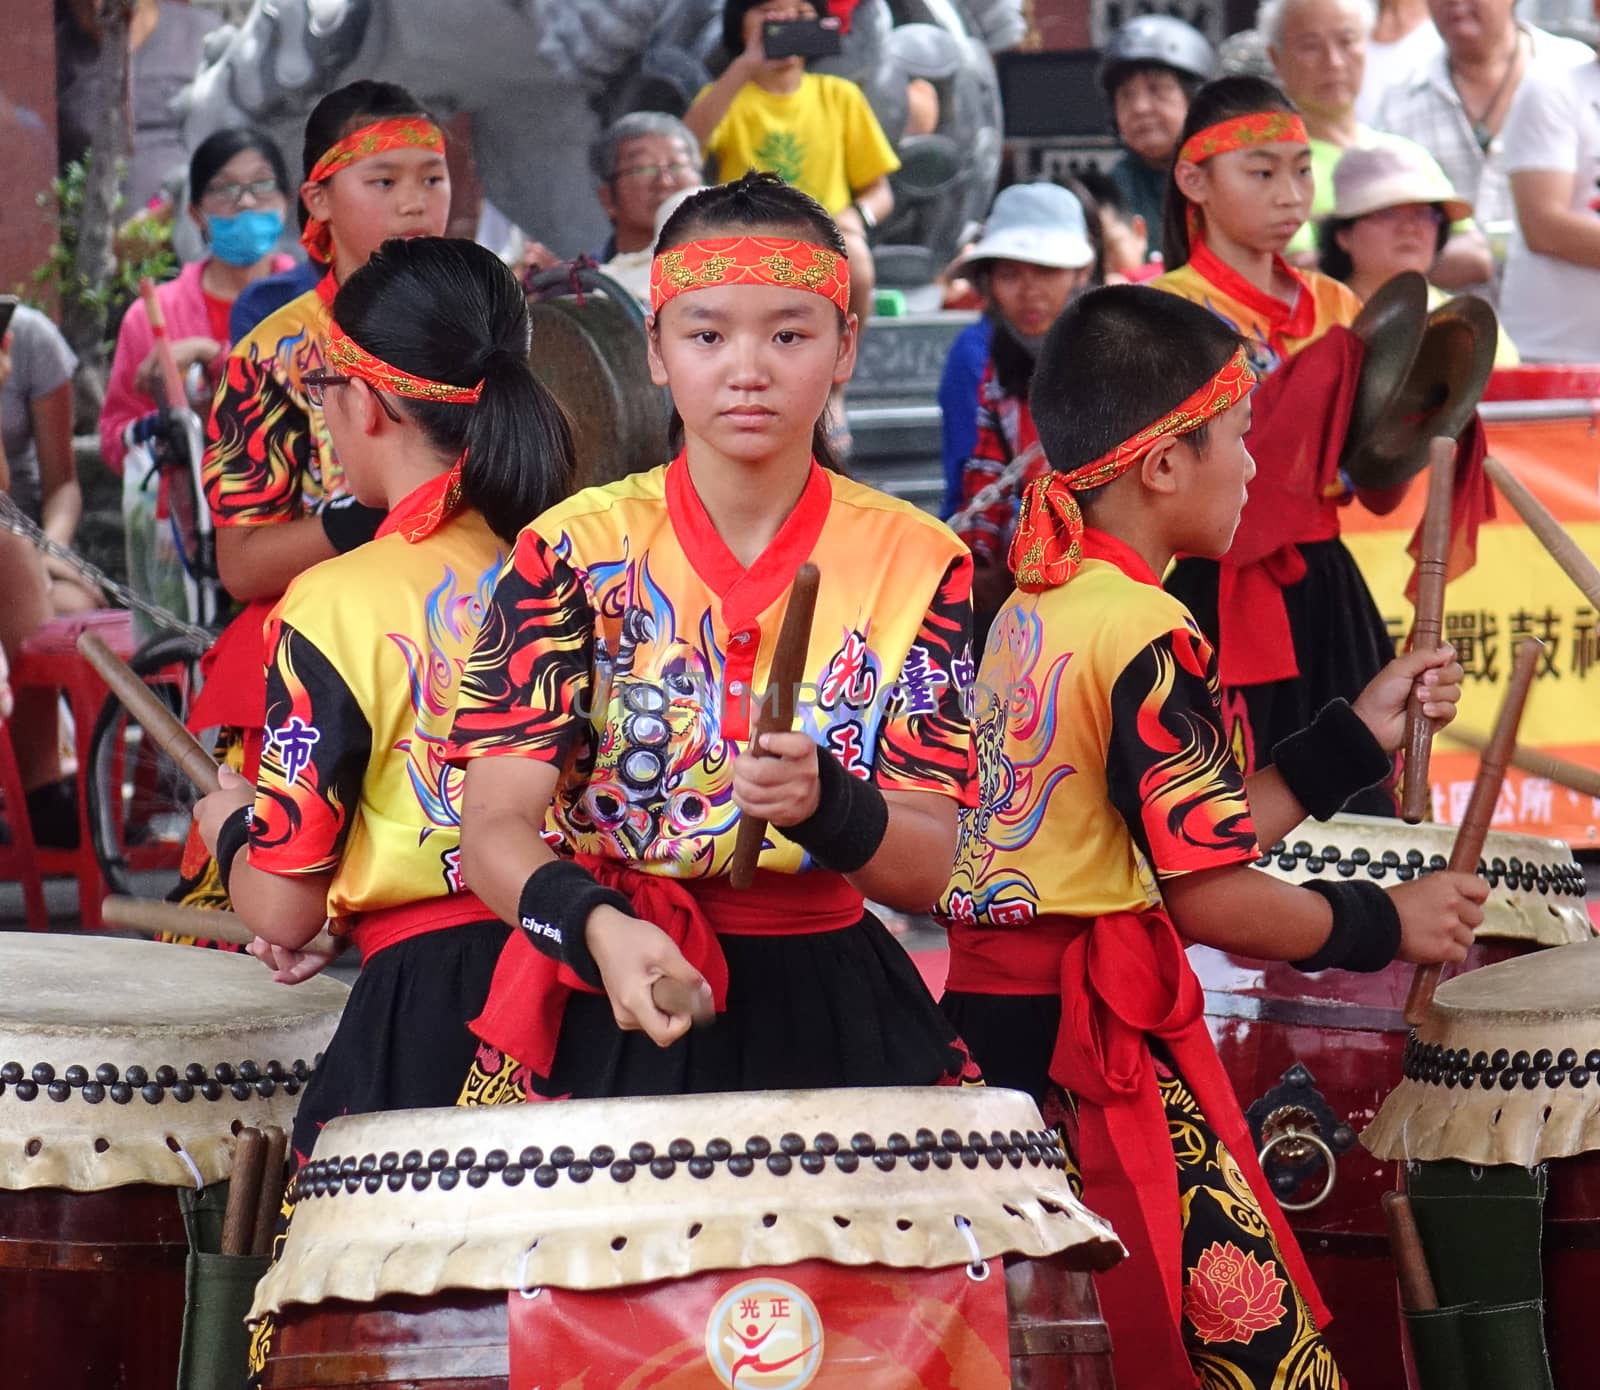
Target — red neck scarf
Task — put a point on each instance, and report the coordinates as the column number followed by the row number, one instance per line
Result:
column 1048, row 546
column 1285, row 319
column 750, row 260
column 396, row 133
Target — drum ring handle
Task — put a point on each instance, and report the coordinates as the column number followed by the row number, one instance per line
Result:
column 522, row 1275
column 977, row 1267
column 1304, row 1136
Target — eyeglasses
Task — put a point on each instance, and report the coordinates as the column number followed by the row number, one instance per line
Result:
column 653, row 172
column 233, row 193
column 1404, row 214
column 316, row 383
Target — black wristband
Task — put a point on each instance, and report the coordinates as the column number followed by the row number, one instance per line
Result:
column 847, row 827
column 1331, row 759
column 233, row 835
column 347, row 523
column 554, row 912
column 1366, row 929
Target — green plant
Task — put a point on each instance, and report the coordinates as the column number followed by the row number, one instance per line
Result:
column 143, row 247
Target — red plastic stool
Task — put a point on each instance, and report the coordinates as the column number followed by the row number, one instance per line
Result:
column 49, row 659
column 20, row 859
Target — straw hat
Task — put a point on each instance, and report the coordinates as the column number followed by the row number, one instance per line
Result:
column 1392, row 175
column 1038, row 223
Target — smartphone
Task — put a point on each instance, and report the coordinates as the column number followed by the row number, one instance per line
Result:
column 801, row 38
column 8, row 306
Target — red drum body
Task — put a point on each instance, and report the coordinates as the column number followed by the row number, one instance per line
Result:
column 457, row 1340
column 1312, row 1057
column 91, row 1288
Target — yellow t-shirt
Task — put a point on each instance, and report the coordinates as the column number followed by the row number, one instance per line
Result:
column 822, row 138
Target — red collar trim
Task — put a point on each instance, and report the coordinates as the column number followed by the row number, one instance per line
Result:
column 423, row 510
column 1102, row 545
column 327, row 287
column 746, row 593
column 1297, row 320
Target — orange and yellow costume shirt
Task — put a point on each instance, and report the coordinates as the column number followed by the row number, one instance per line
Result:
column 1102, row 761
column 1273, row 331
column 624, row 641
column 268, row 454
column 360, row 697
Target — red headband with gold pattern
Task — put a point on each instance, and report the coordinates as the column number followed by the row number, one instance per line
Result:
column 1048, row 546
column 750, row 260
column 344, row 354
column 394, row 133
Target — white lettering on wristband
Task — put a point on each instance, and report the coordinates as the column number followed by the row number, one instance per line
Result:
column 534, row 927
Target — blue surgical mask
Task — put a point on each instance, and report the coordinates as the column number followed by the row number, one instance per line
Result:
column 246, row 237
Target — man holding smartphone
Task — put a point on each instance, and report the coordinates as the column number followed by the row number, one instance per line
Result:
column 814, row 131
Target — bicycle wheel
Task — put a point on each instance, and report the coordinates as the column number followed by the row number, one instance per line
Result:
column 140, row 803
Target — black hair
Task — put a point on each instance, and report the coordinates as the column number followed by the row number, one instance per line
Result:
column 212, row 153
column 349, row 108
column 1333, row 260
column 1124, row 72
column 759, row 201
column 733, row 13
column 1116, row 361
column 449, row 310
column 1217, row 101
column 1102, row 188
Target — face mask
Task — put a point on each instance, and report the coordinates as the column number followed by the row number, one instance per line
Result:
column 246, row 237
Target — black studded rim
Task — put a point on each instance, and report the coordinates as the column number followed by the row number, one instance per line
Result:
column 194, row 1081
column 790, row 1154
column 1564, row 880
column 1433, row 1064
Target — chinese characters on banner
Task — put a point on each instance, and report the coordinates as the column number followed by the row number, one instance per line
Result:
column 1514, row 591
column 814, row 1324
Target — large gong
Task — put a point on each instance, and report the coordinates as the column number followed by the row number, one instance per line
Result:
column 589, row 351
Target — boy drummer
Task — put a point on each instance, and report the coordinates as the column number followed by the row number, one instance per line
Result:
column 1115, row 826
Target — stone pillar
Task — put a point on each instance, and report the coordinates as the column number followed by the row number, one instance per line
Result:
column 28, row 137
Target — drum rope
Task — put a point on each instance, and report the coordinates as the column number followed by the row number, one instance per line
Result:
column 522, row 1274
column 193, row 1167
column 978, row 1268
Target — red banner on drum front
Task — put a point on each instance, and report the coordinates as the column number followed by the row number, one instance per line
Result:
column 829, row 1327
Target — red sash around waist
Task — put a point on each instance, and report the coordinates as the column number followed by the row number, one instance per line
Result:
column 377, row 931
column 529, row 993
column 1124, row 978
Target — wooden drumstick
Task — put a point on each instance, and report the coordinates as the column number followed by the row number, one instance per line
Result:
column 1433, row 566
column 154, row 717
column 149, row 916
column 1417, row 1293
column 269, row 1202
column 674, row 997
column 776, row 715
column 1562, row 771
column 1468, row 847
column 1565, row 551
column 244, row 1192
column 171, row 377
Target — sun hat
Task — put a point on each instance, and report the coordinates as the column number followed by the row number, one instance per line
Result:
column 1392, row 175
column 1038, row 223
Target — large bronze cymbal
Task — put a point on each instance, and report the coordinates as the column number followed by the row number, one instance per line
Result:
column 1390, row 324
column 1440, row 394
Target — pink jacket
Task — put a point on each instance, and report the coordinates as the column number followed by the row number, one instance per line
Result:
column 183, row 303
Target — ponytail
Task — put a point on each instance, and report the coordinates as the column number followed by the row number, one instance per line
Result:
column 449, row 310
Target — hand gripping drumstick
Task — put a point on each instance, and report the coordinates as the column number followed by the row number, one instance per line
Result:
column 172, row 378
column 1432, row 570
column 154, row 717
column 1410, row 1261
column 1563, row 549
column 244, row 1192
column 1468, row 847
column 777, row 710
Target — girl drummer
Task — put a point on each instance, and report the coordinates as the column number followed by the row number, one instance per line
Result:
column 1239, row 189
column 605, row 710
column 273, row 481
column 438, row 423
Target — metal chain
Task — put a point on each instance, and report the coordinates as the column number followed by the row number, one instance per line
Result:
column 13, row 519
column 999, row 490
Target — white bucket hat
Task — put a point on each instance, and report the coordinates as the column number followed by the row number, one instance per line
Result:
column 1038, row 223
column 1390, row 176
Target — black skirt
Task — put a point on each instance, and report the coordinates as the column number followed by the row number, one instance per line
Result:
column 403, row 1042
column 826, row 1009
column 1010, row 1036
column 1340, row 644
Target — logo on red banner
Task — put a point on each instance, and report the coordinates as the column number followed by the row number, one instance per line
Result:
column 764, row 1334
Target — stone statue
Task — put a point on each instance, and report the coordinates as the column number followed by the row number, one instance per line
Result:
column 541, row 77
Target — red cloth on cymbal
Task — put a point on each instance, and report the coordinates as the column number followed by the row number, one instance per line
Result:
column 1471, row 504
column 1301, row 415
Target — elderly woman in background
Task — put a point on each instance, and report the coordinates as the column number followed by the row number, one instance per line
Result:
column 1392, row 212
column 1319, row 50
